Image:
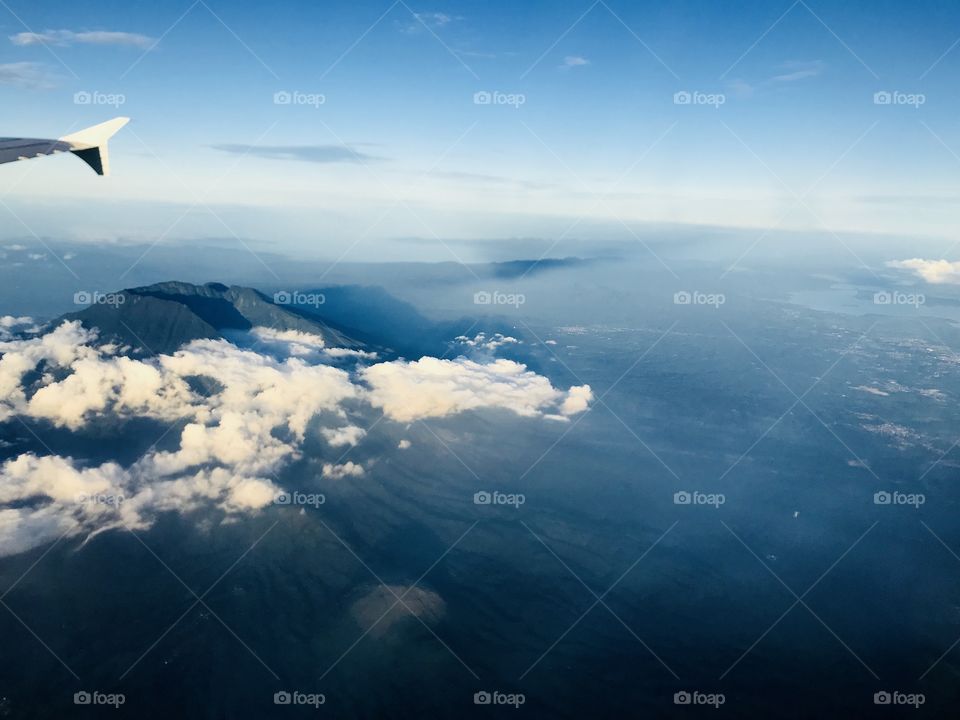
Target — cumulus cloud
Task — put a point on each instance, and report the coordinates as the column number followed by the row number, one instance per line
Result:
column 304, row 345
column 11, row 326
column 61, row 498
column 347, row 435
column 935, row 272
column 577, row 400
column 404, row 445
column 244, row 414
column 337, row 472
column 69, row 37
column 431, row 387
column 481, row 341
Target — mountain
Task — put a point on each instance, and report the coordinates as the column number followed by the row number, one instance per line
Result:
column 160, row 318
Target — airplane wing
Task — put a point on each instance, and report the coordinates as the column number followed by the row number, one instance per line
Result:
column 89, row 145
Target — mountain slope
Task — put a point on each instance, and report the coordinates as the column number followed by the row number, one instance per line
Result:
column 160, row 318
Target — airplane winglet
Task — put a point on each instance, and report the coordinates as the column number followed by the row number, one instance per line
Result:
column 90, row 145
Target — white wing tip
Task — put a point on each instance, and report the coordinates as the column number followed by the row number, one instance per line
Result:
column 90, row 144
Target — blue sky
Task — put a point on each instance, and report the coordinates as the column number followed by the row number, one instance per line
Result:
column 798, row 141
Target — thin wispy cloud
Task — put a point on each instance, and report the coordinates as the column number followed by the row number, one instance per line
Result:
column 65, row 38
column 572, row 61
column 300, row 153
column 794, row 71
column 422, row 21
column 788, row 72
column 26, row 75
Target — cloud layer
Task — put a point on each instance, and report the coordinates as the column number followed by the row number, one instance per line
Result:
column 241, row 416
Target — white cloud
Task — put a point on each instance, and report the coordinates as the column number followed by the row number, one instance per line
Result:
column 577, row 400
column 347, row 435
column 431, row 387
column 10, row 326
column 246, row 425
column 404, row 445
column 69, row 37
column 303, row 345
column 480, row 340
column 75, row 499
column 935, row 272
column 337, row 472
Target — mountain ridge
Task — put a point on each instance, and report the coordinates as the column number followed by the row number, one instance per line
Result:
column 168, row 314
